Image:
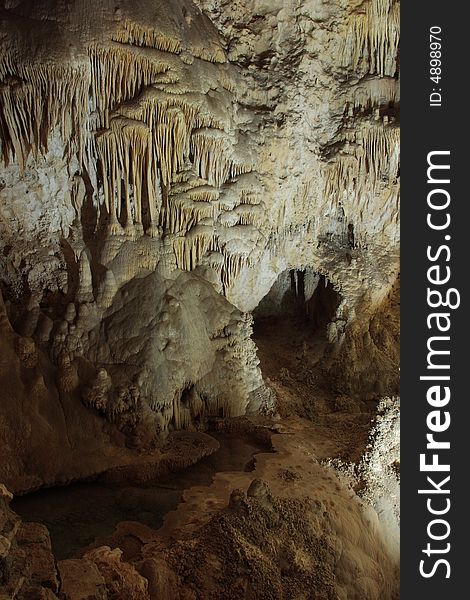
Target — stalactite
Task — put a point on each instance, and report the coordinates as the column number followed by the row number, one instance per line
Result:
column 215, row 54
column 177, row 86
column 204, row 193
column 251, row 197
column 371, row 153
column 186, row 181
column 372, row 37
column 138, row 35
column 154, row 102
column 237, row 169
column 187, row 406
column 234, row 263
column 181, row 414
column 155, row 129
column 126, row 155
column 249, row 214
column 228, row 218
column 190, row 249
column 216, row 261
column 182, row 213
column 211, row 150
column 205, row 120
column 230, row 197
column 250, row 187
column 170, row 118
column 155, row 198
column 120, row 73
column 171, row 142
column 374, row 92
column 35, row 99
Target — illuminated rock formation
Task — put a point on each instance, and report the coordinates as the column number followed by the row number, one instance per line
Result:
column 163, row 163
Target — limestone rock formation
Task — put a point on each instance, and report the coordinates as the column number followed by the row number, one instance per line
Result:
column 174, row 177
column 164, row 164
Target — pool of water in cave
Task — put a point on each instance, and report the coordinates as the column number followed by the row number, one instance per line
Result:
column 79, row 513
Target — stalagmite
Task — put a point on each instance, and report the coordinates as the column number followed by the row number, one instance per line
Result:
column 44, row 329
column 107, row 290
column 85, row 283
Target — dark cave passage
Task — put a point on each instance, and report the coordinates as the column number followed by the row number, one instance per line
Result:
column 290, row 331
column 322, row 306
column 301, row 304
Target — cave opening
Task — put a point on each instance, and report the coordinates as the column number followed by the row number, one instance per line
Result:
column 291, row 321
column 302, row 298
column 322, row 306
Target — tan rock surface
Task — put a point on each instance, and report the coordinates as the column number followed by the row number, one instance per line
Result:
column 81, row 580
column 199, row 219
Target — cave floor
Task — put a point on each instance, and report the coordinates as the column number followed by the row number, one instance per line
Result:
column 313, row 426
column 146, row 514
column 78, row 514
column 294, row 473
column 291, row 359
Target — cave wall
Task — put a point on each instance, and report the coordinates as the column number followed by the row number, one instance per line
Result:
column 162, row 164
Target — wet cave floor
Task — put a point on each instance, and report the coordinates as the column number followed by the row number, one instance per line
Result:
column 78, row 514
column 184, row 516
